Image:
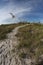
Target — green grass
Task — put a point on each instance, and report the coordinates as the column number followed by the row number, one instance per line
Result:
column 30, row 39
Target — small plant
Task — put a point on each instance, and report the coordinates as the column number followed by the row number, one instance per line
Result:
column 22, row 55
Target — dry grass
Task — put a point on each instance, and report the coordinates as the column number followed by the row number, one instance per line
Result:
column 30, row 39
column 4, row 29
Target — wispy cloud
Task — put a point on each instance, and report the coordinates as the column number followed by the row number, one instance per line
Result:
column 30, row 8
column 16, row 10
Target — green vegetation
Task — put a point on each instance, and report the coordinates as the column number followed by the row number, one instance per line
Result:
column 31, row 39
column 7, row 28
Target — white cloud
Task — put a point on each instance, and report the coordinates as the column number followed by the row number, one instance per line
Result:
column 10, row 7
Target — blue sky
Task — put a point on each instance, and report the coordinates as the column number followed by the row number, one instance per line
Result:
column 24, row 10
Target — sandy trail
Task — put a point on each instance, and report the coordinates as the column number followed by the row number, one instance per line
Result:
column 7, row 57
